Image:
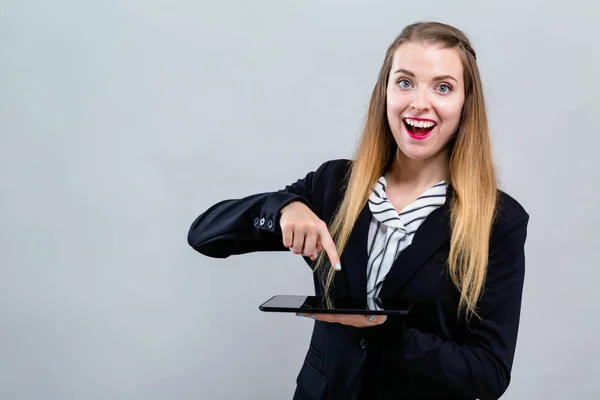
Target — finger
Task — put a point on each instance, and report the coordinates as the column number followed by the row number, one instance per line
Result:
column 332, row 318
column 310, row 243
column 358, row 321
column 329, row 247
column 306, row 315
column 298, row 242
column 318, row 250
column 318, row 247
column 288, row 235
column 361, row 321
column 375, row 319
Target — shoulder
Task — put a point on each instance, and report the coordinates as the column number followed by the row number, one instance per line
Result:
column 509, row 209
column 509, row 230
column 334, row 168
column 331, row 174
column 325, row 186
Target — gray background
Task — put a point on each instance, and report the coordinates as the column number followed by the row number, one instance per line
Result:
column 121, row 121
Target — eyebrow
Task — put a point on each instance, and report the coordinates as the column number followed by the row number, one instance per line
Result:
column 437, row 78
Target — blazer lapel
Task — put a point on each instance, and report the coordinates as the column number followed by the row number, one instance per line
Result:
column 431, row 235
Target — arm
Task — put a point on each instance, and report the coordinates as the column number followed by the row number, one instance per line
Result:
column 249, row 224
column 481, row 366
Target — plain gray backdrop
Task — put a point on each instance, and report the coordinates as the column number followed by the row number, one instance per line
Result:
column 121, row 121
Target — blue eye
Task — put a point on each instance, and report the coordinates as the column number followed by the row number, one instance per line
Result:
column 448, row 88
column 402, row 82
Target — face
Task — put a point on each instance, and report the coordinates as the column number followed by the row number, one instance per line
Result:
column 425, row 96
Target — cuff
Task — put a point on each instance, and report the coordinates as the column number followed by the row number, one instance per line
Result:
column 270, row 214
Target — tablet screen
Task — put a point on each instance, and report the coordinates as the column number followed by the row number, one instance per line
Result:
column 342, row 305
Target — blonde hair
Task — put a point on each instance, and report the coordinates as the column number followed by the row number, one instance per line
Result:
column 471, row 171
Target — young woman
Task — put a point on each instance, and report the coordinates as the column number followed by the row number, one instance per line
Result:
column 416, row 214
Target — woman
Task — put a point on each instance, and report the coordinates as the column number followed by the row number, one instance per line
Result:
column 417, row 214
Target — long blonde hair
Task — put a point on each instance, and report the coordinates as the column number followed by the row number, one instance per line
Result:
column 472, row 174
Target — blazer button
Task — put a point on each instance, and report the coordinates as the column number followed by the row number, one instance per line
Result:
column 256, row 220
column 363, row 344
column 270, row 224
column 262, row 221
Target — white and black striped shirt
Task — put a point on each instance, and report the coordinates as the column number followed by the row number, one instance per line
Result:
column 391, row 232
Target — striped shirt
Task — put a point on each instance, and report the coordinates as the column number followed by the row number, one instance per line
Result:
column 391, row 232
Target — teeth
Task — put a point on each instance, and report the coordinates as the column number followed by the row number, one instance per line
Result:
column 419, row 124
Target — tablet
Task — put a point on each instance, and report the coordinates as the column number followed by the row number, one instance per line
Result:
column 336, row 305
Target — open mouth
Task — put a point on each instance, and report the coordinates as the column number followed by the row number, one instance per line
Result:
column 418, row 127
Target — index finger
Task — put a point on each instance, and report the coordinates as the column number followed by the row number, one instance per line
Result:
column 329, row 247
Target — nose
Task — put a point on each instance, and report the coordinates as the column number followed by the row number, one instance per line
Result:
column 421, row 100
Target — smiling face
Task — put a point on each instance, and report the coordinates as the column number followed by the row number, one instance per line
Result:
column 425, row 97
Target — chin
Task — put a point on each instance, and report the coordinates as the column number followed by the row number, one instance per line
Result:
column 419, row 153
column 417, row 156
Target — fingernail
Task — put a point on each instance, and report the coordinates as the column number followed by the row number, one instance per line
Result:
column 371, row 318
column 313, row 317
column 317, row 254
column 299, row 315
column 338, row 266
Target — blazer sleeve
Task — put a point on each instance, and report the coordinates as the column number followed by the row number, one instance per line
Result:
column 251, row 223
column 481, row 366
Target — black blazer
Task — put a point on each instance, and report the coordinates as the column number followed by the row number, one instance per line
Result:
column 429, row 354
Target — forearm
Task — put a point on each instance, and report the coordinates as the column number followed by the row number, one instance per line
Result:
column 240, row 226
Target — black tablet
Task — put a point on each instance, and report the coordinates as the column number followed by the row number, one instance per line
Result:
column 336, row 305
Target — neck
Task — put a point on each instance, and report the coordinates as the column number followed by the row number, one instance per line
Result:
column 405, row 171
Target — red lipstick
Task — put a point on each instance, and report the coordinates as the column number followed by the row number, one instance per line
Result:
column 418, row 133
